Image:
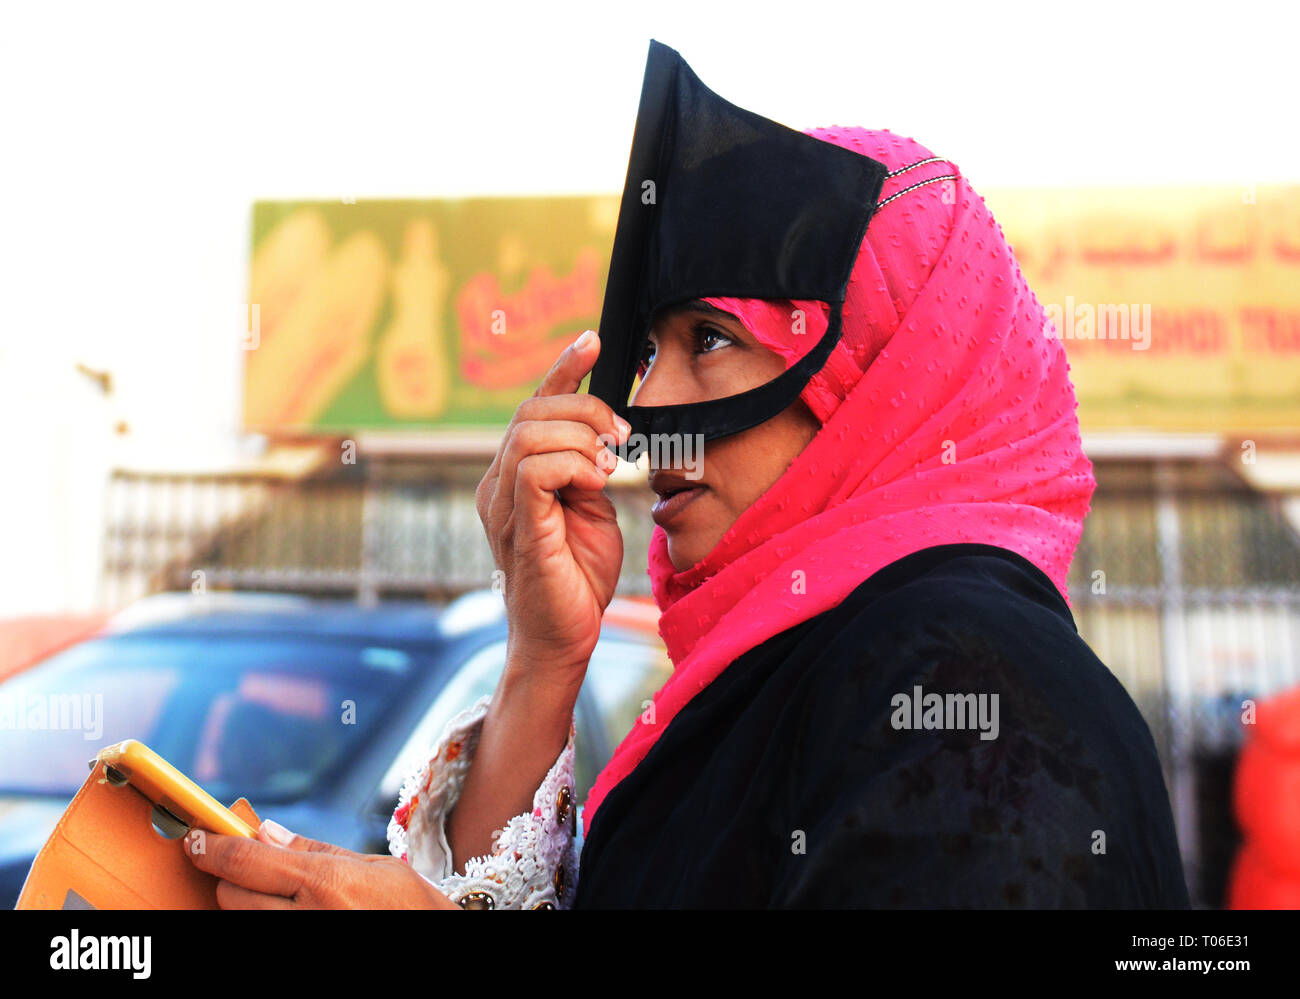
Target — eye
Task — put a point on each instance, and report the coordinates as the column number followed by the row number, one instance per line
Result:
column 705, row 334
column 647, row 355
column 707, row 339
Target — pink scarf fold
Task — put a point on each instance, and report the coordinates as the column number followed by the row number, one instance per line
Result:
column 947, row 416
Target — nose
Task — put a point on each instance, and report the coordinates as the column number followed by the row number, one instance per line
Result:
column 666, row 383
column 647, row 392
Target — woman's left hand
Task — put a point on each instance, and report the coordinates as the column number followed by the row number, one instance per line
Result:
column 279, row 870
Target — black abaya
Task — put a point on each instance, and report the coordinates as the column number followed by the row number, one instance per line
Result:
column 800, row 776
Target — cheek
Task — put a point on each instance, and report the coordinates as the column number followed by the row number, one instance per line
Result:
column 760, row 457
column 737, row 469
column 719, row 467
column 735, row 369
column 740, row 468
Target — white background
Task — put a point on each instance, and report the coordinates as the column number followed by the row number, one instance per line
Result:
column 136, row 138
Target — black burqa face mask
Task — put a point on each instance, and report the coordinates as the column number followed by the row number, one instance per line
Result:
column 721, row 202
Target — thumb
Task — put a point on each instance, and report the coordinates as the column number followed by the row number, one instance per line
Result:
column 275, row 834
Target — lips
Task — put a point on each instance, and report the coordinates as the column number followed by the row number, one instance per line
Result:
column 676, row 492
column 672, row 503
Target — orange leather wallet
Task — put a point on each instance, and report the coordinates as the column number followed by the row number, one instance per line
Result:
column 106, row 853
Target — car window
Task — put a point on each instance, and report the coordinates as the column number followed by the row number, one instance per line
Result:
column 476, row 677
column 266, row 717
column 623, row 677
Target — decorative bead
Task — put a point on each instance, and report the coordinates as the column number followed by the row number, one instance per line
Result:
column 563, row 805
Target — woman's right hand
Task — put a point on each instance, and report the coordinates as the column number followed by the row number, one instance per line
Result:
column 552, row 528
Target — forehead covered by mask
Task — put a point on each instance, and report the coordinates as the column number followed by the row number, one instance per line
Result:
column 721, row 202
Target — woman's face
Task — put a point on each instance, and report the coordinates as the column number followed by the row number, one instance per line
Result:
column 696, row 352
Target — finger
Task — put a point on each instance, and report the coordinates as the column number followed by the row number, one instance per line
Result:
column 571, row 367
column 233, row 896
column 545, row 437
column 575, row 407
column 582, row 407
column 249, row 863
column 274, row 834
column 540, row 475
column 606, row 427
column 565, row 376
column 563, row 379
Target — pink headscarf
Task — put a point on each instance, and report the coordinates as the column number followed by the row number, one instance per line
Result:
column 947, row 416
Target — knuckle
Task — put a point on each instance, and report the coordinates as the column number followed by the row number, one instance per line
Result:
column 526, row 435
column 214, row 854
column 225, row 894
column 232, row 853
column 602, row 415
column 326, row 881
column 600, row 439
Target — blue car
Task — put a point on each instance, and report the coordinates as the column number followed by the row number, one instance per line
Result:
column 312, row 709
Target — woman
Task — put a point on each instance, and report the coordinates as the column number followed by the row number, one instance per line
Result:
column 879, row 696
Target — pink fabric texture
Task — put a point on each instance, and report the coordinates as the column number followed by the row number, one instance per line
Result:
column 947, row 416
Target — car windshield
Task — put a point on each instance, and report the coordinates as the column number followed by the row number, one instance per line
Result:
column 263, row 717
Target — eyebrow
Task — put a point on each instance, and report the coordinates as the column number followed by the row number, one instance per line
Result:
column 695, row 305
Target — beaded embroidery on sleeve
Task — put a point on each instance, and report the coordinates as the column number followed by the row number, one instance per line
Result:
column 534, row 863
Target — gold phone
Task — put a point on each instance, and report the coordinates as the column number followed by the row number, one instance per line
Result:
column 132, row 762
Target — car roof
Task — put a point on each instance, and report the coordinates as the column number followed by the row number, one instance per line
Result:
column 253, row 614
column 407, row 621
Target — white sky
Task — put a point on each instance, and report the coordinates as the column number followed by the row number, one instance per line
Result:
column 137, row 136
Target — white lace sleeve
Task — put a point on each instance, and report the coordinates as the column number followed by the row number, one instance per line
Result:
column 534, row 863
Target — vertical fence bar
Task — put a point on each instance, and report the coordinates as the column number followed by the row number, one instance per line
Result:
column 1176, row 670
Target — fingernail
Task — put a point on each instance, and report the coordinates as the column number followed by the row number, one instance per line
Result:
column 276, row 832
column 583, row 340
column 624, row 429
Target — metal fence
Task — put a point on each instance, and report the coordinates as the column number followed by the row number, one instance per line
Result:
column 1185, row 583
column 377, row 529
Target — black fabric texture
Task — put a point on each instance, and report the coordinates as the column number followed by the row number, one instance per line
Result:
column 797, row 737
column 740, row 206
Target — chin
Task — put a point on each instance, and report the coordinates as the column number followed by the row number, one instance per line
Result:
column 681, row 552
column 687, row 547
column 692, row 534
